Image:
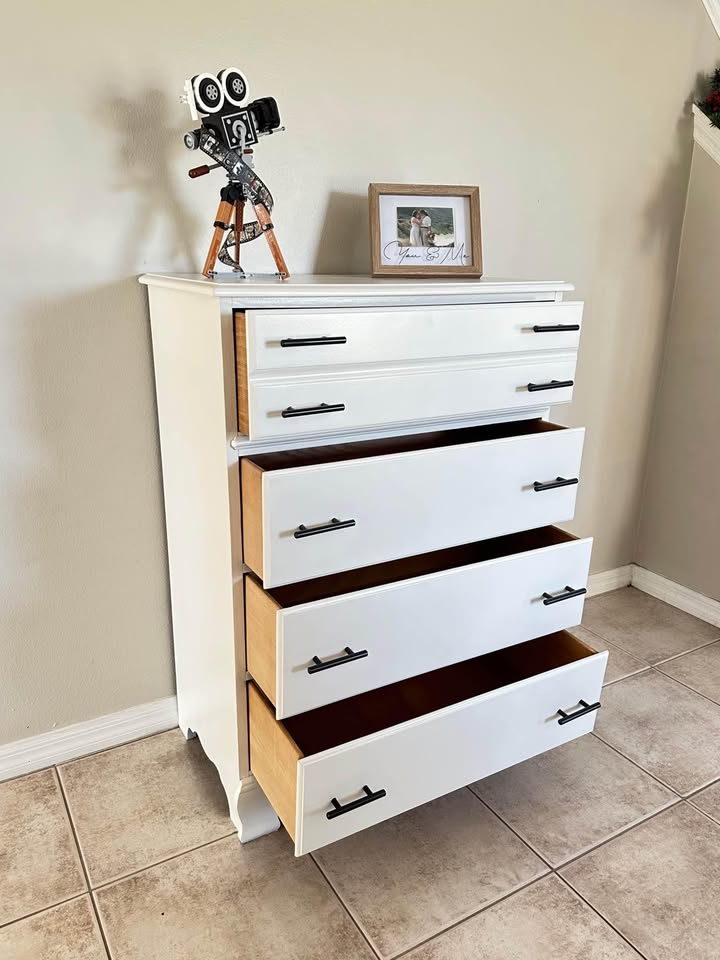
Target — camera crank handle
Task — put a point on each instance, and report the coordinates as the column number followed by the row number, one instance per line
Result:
column 202, row 170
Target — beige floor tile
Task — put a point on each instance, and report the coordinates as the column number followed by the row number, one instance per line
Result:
column 66, row 932
column 227, row 901
column 410, row 877
column 570, row 799
column 669, row 730
column 620, row 664
column 143, row 802
column 645, row 627
column 659, row 885
column 39, row 864
column 699, row 670
column 708, row 801
column 545, row 921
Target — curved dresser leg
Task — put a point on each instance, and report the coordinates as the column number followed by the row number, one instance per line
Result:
column 251, row 812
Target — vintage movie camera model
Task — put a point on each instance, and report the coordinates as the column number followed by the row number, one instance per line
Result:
column 229, row 129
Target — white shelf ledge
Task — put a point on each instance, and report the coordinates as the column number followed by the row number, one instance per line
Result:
column 713, row 9
column 706, row 135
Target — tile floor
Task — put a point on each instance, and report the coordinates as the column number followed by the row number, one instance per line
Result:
column 605, row 849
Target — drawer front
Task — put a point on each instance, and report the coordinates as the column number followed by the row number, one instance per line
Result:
column 417, row 625
column 422, row 759
column 401, row 505
column 336, row 403
column 293, row 339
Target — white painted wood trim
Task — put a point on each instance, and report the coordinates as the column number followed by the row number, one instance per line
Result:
column 706, row 135
column 309, row 290
column 676, row 595
column 80, row 739
column 609, row 580
column 696, row 604
column 713, row 9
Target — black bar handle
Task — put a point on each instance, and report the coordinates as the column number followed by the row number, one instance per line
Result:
column 538, row 487
column 555, row 327
column 313, row 341
column 553, row 385
column 335, row 524
column 586, row 708
column 347, row 657
column 338, row 809
column 308, row 411
column 549, row 598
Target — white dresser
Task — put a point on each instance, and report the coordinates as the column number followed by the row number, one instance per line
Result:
column 370, row 597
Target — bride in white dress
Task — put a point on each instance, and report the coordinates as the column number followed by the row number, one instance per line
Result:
column 416, row 239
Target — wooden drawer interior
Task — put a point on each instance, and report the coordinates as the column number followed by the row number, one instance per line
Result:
column 276, row 746
column 252, row 468
column 262, row 606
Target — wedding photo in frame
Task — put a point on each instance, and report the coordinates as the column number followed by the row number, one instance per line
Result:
column 420, row 230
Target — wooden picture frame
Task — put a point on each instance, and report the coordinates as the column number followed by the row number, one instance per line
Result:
column 399, row 235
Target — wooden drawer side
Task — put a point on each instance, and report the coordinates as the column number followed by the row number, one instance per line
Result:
column 261, row 637
column 273, row 758
column 252, row 515
column 241, row 366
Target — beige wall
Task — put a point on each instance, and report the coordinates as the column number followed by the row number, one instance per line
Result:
column 680, row 527
column 569, row 113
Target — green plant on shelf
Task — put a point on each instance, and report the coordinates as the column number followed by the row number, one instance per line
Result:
column 710, row 105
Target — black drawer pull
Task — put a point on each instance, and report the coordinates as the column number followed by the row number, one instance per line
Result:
column 553, row 385
column 313, row 341
column 335, row 524
column 586, row 708
column 308, row 411
column 338, row 808
column 552, row 484
column 549, row 598
column 556, row 327
column 348, row 656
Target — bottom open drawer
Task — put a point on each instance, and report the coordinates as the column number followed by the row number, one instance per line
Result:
column 348, row 765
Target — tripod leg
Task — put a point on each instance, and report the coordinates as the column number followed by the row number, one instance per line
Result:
column 266, row 223
column 221, row 224
column 239, row 204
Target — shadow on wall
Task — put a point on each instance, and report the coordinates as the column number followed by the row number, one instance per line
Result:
column 664, row 212
column 145, row 156
column 344, row 245
column 85, row 598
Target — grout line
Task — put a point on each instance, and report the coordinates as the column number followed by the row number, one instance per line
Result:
column 157, row 863
column 600, row 915
column 686, row 685
column 627, row 676
column 470, row 916
column 510, row 827
column 356, row 923
column 709, row 816
column 115, row 746
column 694, row 793
column 101, row 929
column 621, row 833
column 676, row 656
column 639, row 766
column 671, row 802
column 51, row 906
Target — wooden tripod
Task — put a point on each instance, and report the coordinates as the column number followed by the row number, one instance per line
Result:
column 232, row 205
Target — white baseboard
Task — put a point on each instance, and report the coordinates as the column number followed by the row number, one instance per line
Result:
column 676, row 595
column 609, row 580
column 79, row 739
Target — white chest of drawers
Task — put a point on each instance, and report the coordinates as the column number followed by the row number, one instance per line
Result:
column 369, row 597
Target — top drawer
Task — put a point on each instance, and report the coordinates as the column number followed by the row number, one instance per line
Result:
column 292, row 339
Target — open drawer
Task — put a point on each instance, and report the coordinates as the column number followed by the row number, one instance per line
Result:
column 312, row 512
column 323, row 640
column 348, row 765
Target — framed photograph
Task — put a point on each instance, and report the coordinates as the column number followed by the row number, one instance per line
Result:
column 424, row 231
